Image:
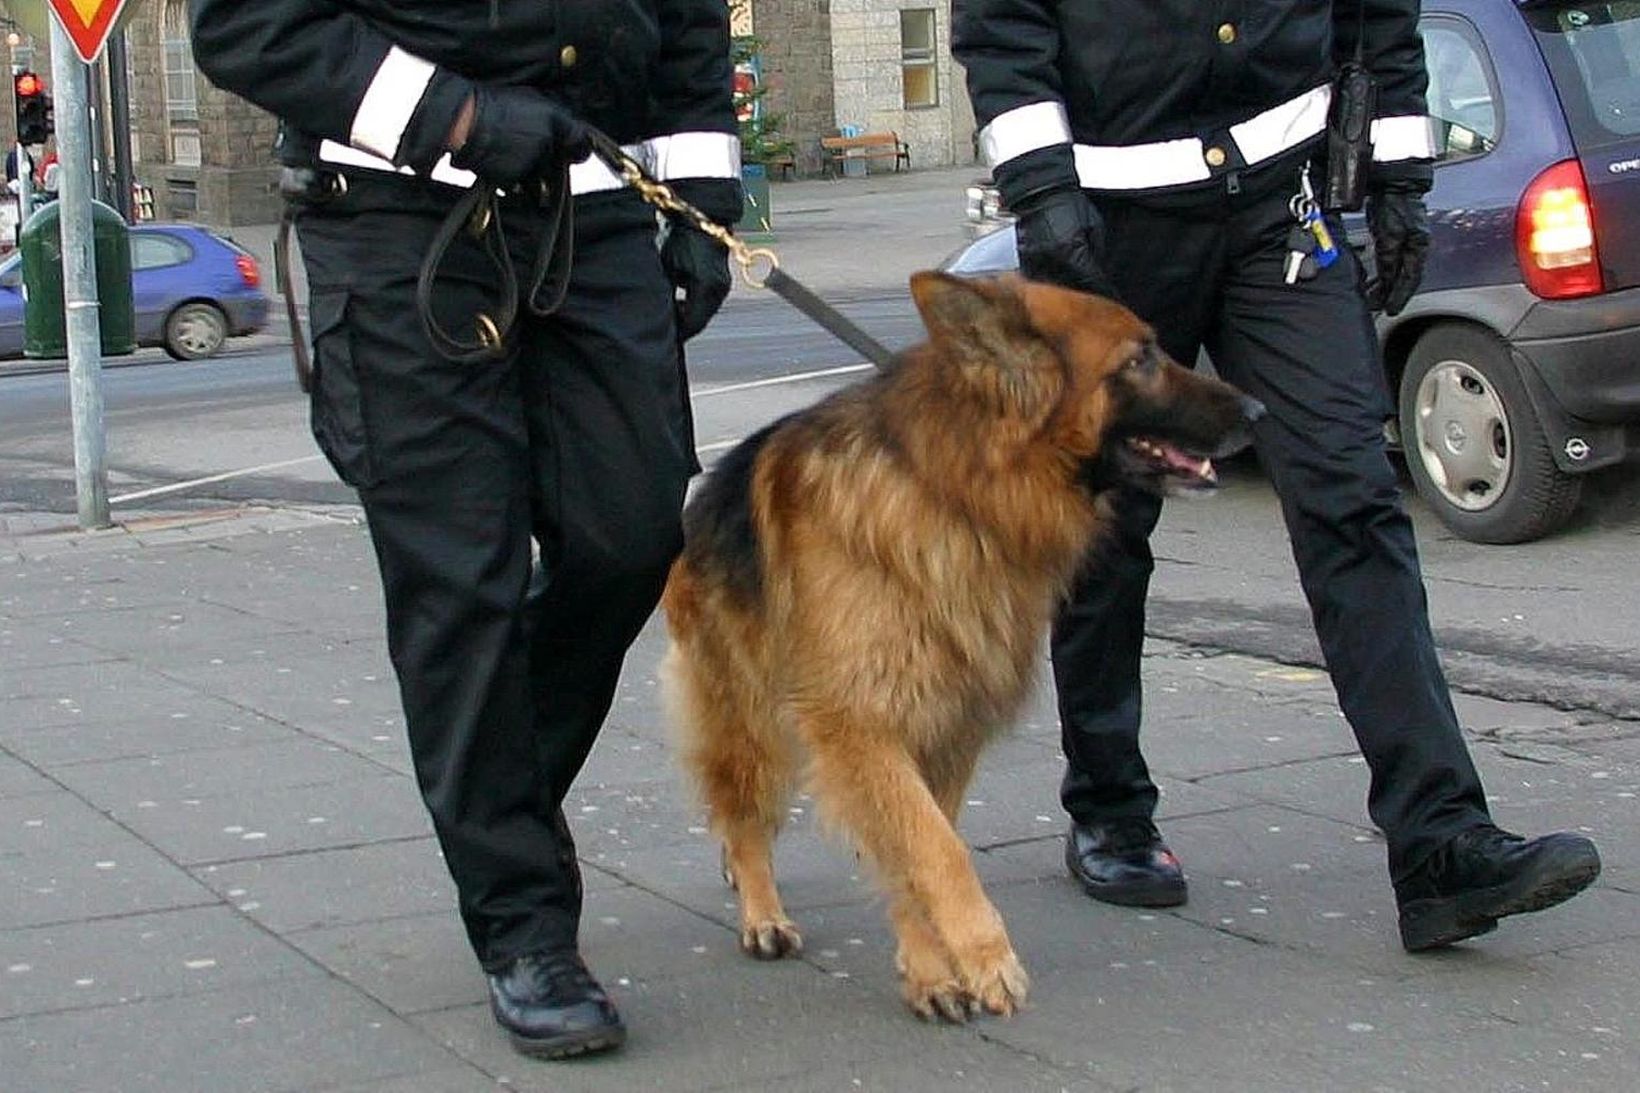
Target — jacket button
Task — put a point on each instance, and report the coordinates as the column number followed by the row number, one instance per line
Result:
column 1214, row 157
column 567, row 56
column 1227, row 33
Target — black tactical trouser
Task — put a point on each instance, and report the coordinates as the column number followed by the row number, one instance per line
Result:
column 1211, row 274
column 579, row 441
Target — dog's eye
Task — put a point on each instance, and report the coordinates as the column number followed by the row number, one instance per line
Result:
column 1146, row 359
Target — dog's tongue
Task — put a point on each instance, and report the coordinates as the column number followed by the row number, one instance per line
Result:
column 1195, row 466
column 1182, row 463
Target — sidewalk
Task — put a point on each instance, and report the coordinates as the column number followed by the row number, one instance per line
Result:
column 216, row 872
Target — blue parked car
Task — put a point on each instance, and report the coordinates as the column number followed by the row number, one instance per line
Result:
column 1518, row 362
column 193, row 289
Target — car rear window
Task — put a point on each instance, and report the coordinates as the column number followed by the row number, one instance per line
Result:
column 1593, row 50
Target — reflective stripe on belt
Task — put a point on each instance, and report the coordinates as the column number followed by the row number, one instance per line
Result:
column 1025, row 129
column 588, row 176
column 1177, row 162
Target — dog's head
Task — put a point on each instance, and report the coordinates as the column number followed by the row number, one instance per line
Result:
column 1085, row 375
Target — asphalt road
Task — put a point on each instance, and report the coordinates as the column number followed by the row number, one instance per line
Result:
column 1550, row 622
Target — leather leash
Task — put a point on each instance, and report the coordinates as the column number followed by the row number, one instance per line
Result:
column 281, row 275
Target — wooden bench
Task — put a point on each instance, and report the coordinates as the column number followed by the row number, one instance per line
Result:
column 786, row 165
column 866, row 146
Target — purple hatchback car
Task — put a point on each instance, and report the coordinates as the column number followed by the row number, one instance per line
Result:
column 192, row 288
column 1518, row 362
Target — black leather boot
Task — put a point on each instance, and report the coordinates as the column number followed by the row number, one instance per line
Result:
column 1484, row 874
column 552, row 1008
column 1125, row 862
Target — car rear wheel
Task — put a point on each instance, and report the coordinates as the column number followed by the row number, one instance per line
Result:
column 1473, row 442
column 195, row 330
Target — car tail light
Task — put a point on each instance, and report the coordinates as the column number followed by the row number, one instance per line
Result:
column 1554, row 235
column 249, row 272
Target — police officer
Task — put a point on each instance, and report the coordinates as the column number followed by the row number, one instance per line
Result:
column 533, row 401
column 1164, row 152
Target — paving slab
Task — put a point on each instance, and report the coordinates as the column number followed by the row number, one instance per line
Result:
column 326, row 888
column 18, row 779
column 64, row 862
column 279, row 1036
column 116, row 961
column 202, row 724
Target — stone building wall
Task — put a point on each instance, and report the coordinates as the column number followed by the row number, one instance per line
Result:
column 796, row 55
column 869, row 86
column 234, row 182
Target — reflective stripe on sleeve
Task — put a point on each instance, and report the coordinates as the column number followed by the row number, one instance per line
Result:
column 695, row 155
column 1407, row 136
column 389, row 103
column 1023, row 129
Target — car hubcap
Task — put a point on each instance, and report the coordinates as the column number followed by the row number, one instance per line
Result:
column 198, row 331
column 1463, row 435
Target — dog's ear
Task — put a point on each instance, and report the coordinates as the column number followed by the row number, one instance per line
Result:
column 963, row 314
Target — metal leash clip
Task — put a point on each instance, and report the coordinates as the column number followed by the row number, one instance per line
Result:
column 759, row 266
column 756, row 263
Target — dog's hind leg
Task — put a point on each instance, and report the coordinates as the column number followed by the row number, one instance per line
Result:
column 744, row 766
column 875, row 790
column 948, row 776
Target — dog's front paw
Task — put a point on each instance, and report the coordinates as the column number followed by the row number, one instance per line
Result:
column 942, row 1000
column 1000, row 985
column 770, row 939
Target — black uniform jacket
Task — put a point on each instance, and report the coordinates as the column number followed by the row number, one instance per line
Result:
column 383, row 76
column 1143, row 72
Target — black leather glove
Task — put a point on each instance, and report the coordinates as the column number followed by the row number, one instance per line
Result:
column 519, row 134
column 698, row 266
column 695, row 263
column 1399, row 223
column 1061, row 239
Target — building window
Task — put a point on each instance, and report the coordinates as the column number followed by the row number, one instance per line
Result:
column 917, row 53
column 22, row 56
column 181, row 93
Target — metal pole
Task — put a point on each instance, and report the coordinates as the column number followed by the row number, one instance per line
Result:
column 25, row 189
column 24, row 184
column 80, row 306
column 119, row 116
column 101, row 182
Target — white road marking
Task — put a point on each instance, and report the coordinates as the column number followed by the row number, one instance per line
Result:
column 704, row 449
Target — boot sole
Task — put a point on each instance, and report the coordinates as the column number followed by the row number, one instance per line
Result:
column 1146, row 894
column 569, row 1045
column 1436, row 923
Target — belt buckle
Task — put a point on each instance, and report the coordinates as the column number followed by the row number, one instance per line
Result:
column 311, row 185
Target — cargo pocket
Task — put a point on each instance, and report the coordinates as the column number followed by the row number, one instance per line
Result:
column 338, row 412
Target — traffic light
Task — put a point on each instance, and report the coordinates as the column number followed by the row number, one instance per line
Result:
column 34, row 121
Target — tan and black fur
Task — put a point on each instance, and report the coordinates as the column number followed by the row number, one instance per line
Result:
column 866, row 587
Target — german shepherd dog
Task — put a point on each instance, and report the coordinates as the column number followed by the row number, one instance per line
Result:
column 867, row 584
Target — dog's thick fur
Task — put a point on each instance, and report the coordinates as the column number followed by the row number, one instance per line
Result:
column 867, row 584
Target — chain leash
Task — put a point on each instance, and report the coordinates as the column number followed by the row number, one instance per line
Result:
column 759, row 266
column 756, row 263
